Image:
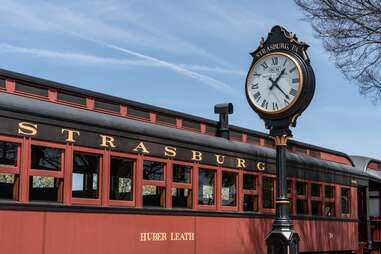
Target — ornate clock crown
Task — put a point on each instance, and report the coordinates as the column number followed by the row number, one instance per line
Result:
column 279, row 34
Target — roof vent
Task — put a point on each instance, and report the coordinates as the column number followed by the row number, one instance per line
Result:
column 224, row 109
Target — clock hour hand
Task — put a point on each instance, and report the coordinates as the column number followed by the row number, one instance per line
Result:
column 275, row 82
column 280, row 75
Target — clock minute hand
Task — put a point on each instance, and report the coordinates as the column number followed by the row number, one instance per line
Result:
column 280, row 89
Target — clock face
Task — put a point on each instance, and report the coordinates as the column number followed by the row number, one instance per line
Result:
column 274, row 83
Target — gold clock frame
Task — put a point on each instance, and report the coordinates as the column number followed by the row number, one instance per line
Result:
column 300, row 85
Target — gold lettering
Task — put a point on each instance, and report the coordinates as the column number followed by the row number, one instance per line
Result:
column 70, row 134
column 196, row 155
column 220, row 159
column 261, row 166
column 170, row 151
column 241, row 163
column 26, row 128
column 141, row 148
column 107, row 141
column 294, row 48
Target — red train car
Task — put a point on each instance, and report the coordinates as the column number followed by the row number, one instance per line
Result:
column 83, row 172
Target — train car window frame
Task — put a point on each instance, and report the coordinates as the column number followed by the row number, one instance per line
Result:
column 272, row 208
column 221, row 190
column 316, row 200
column 302, row 197
column 291, row 195
column 160, row 185
column 183, row 185
column 3, row 83
column 250, row 192
column 328, row 209
column 106, row 190
column 345, row 212
column 12, row 171
column 215, row 188
column 101, row 157
column 56, row 175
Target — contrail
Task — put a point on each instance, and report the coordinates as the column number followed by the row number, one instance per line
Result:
column 91, row 59
column 220, row 86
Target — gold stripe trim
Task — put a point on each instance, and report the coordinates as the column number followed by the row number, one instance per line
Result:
column 282, row 202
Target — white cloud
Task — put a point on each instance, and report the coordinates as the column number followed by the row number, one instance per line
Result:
column 47, row 17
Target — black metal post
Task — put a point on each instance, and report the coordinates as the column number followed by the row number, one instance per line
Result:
column 282, row 239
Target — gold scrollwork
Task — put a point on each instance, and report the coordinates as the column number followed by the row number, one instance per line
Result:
column 262, row 42
column 280, row 140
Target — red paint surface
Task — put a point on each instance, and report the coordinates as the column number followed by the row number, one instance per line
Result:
column 95, row 233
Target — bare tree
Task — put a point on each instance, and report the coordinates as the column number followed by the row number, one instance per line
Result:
column 351, row 33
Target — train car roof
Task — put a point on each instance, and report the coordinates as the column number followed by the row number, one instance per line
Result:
column 44, row 109
column 77, row 90
column 362, row 163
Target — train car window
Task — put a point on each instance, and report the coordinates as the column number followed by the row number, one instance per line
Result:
column 229, row 189
column 31, row 89
column 253, row 139
column 301, row 206
column 153, row 170
column 374, row 203
column 236, row 135
column 315, row 153
column 137, row 112
column 250, row 193
column 211, row 130
column 191, row 125
column 45, row 188
column 8, row 186
column 249, row 182
column 206, row 183
column 181, row 198
column 153, row 196
column 250, row 202
column 166, row 119
column 46, row 158
column 345, row 200
column 121, row 178
column 2, row 83
column 103, row 105
column 315, row 190
column 329, row 191
column 181, row 173
column 316, row 208
column 329, row 209
column 289, row 195
column 67, row 97
column 85, row 175
column 301, row 188
column 8, row 153
column 268, row 192
column 289, row 186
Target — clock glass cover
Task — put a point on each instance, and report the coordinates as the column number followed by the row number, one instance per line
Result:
column 274, row 83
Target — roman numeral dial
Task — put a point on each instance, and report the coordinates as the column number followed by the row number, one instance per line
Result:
column 274, row 83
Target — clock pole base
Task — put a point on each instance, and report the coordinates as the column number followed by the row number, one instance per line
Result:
column 283, row 242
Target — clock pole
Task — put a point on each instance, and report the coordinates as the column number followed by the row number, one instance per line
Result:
column 282, row 239
column 292, row 83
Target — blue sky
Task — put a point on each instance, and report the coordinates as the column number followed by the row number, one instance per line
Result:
column 182, row 55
